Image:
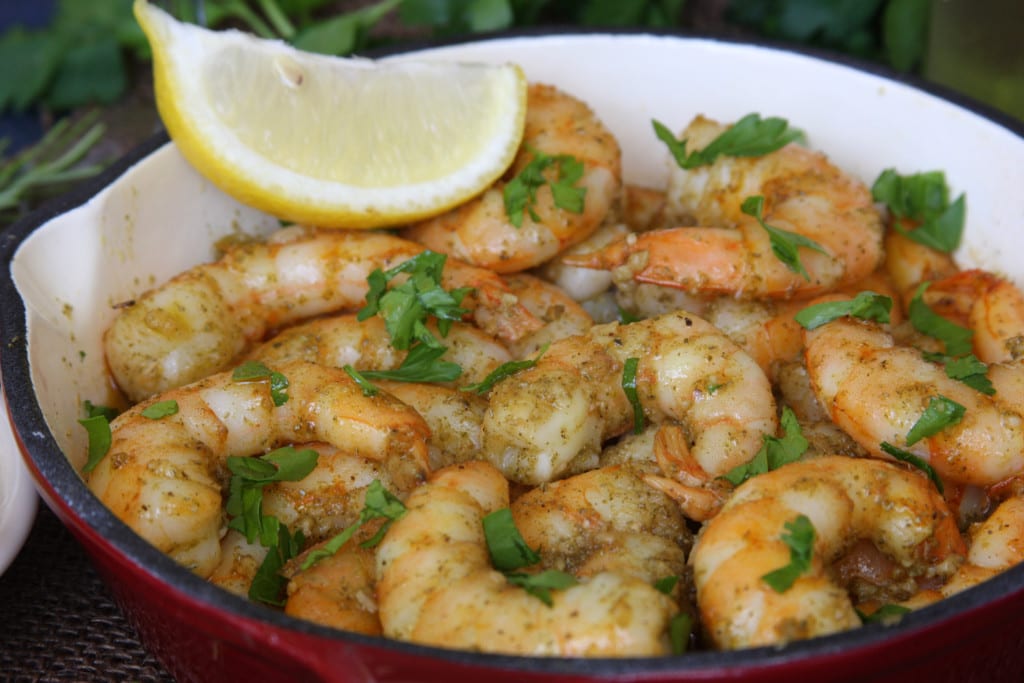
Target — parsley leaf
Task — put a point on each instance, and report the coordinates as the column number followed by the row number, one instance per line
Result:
column 751, row 136
column 940, row 413
column 666, row 584
column 510, row 552
column 505, row 544
column 680, row 628
column 267, row 584
column 406, row 309
column 800, row 540
column 369, row 389
column 255, row 371
column 629, row 386
column 887, row 613
column 93, row 410
column 520, row 193
column 98, row 429
column 785, row 244
column 971, row 371
column 541, row 584
column 160, row 409
column 775, row 451
column 250, row 475
column 866, row 306
column 923, row 198
column 910, row 458
column 421, row 364
column 504, row 371
column 957, row 339
column 379, row 503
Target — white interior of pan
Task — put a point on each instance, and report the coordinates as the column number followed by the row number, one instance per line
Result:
column 161, row 217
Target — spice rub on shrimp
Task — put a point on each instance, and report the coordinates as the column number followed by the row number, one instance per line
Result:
column 606, row 519
column 436, row 584
column 200, row 321
column 554, row 417
column 728, row 252
column 483, row 233
column 343, row 340
column 846, row 500
column 165, row 478
column 877, row 390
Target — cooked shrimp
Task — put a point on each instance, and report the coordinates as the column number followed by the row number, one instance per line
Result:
column 480, row 231
column 338, row 591
column 555, row 416
column 455, row 419
column 909, row 263
column 846, row 500
column 994, row 545
column 201, row 320
column 606, row 519
column 991, row 306
column 876, row 391
column 583, row 283
column 331, row 497
column 730, row 253
column 366, row 345
column 164, row 478
column 643, row 208
column 560, row 314
column 436, row 585
column 239, row 562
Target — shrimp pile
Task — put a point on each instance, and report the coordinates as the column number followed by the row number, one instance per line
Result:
column 604, row 422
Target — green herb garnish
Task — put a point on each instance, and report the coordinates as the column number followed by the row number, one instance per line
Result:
column 775, row 451
column 541, row 584
column 679, row 630
column 957, row 339
column 406, row 309
column 98, row 429
column 267, row 584
column 520, row 193
column 800, row 540
column 785, row 244
column 379, row 503
column 923, row 198
column 887, row 613
column 504, row 371
column 369, row 389
column 160, row 409
column 421, row 364
column 911, row 459
column 971, row 371
column 250, row 475
column 941, row 412
column 751, row 136
column 629, row 386
column 866, row 306
column 93, row 410
column 255, row 371
column 666, row 584
column 506, row 545
column 509, row 552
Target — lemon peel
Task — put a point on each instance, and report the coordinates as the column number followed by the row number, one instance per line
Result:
column 331, row 141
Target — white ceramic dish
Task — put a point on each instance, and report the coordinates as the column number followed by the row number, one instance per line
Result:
column 18, row 499
column 159, row 217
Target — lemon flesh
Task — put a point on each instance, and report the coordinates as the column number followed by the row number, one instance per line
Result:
column 331, row 141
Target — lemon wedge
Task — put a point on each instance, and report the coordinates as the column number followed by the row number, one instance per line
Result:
column 331, row 141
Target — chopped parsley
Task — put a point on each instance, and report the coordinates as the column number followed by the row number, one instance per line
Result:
column 785, row 244
column 520, row 193
column 751, row 136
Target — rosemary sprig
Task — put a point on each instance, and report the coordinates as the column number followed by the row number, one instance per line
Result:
column 50, row 162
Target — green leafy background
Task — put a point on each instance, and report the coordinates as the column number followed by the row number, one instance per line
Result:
column 94, row 56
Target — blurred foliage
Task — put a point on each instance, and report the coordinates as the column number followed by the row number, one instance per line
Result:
column 86, row 56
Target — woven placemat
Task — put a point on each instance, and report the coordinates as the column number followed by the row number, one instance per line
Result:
column 58, row 621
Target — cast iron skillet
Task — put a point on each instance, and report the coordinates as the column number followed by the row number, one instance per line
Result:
column 200, row 632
